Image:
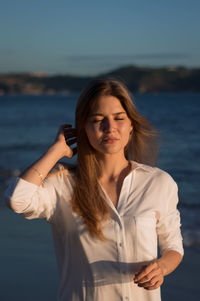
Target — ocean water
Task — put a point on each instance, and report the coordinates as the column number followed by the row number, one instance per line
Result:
column 28, row 125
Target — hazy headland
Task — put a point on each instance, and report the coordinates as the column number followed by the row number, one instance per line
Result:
column 138, row 79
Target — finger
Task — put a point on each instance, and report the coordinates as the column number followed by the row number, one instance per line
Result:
column 72, row 141
column 155, row 286
column 69, row 135
column 66, row 125
column 145, row 271
column 137, row 274
column 70, row 130
column 149, row 276
column 149, row 283
column 74, row 150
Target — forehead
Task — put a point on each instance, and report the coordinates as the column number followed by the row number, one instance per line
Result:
column 107, row 104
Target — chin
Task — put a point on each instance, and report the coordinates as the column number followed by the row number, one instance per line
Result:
column 109, row 151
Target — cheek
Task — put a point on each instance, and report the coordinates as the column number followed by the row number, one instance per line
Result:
column 91, row 133
column 126, row 129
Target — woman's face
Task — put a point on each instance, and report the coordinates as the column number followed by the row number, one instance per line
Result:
column 108, row 126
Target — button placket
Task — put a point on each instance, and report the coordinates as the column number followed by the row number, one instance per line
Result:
column 121, row 242
column 121, row 246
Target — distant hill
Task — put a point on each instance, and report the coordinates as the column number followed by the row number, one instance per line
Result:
column 138, row 79
column 171, row 79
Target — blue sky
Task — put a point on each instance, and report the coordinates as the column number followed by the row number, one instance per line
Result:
column 89, row 37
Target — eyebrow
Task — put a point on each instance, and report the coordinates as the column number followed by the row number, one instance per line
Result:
column 100, row 114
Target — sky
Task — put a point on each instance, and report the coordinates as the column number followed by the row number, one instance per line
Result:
column 84, row 37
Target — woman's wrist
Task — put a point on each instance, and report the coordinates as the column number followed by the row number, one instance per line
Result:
column 57, row 150
column 38, row 171
column 169, row 261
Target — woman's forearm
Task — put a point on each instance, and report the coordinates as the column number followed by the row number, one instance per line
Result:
column 39, row 170
column 169, row 261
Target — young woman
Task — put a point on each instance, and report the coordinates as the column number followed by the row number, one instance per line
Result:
column 108, row 212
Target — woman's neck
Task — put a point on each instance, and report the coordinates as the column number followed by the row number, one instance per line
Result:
column 112, row 167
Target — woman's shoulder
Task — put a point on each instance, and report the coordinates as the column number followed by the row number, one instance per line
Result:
column 154, row 172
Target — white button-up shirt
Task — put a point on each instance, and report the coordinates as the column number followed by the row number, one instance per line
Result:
column 93, row 270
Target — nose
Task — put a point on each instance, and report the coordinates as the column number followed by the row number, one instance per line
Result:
column 108, row 125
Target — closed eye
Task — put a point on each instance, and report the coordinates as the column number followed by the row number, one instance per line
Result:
column 94, row 121
column 99, row 120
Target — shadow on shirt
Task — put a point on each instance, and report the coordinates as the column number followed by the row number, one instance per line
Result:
column 79, row 273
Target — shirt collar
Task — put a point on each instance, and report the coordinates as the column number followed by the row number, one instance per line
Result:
column 135, row 165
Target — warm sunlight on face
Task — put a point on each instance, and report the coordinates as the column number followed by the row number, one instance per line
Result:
column 108, row 127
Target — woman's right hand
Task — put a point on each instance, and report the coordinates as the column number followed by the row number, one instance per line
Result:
column 38, row 171
column 65, row 138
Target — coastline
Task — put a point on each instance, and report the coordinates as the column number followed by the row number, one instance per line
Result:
column 139, row 79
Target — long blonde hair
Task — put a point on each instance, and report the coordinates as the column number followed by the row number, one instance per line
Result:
column 88, row 199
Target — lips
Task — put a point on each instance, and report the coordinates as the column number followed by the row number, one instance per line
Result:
column 109, row 139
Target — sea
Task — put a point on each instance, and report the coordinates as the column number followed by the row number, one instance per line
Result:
column 29, row 124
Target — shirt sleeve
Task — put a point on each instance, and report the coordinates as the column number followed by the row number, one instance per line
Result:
column 168, row 225
column 34, row 201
